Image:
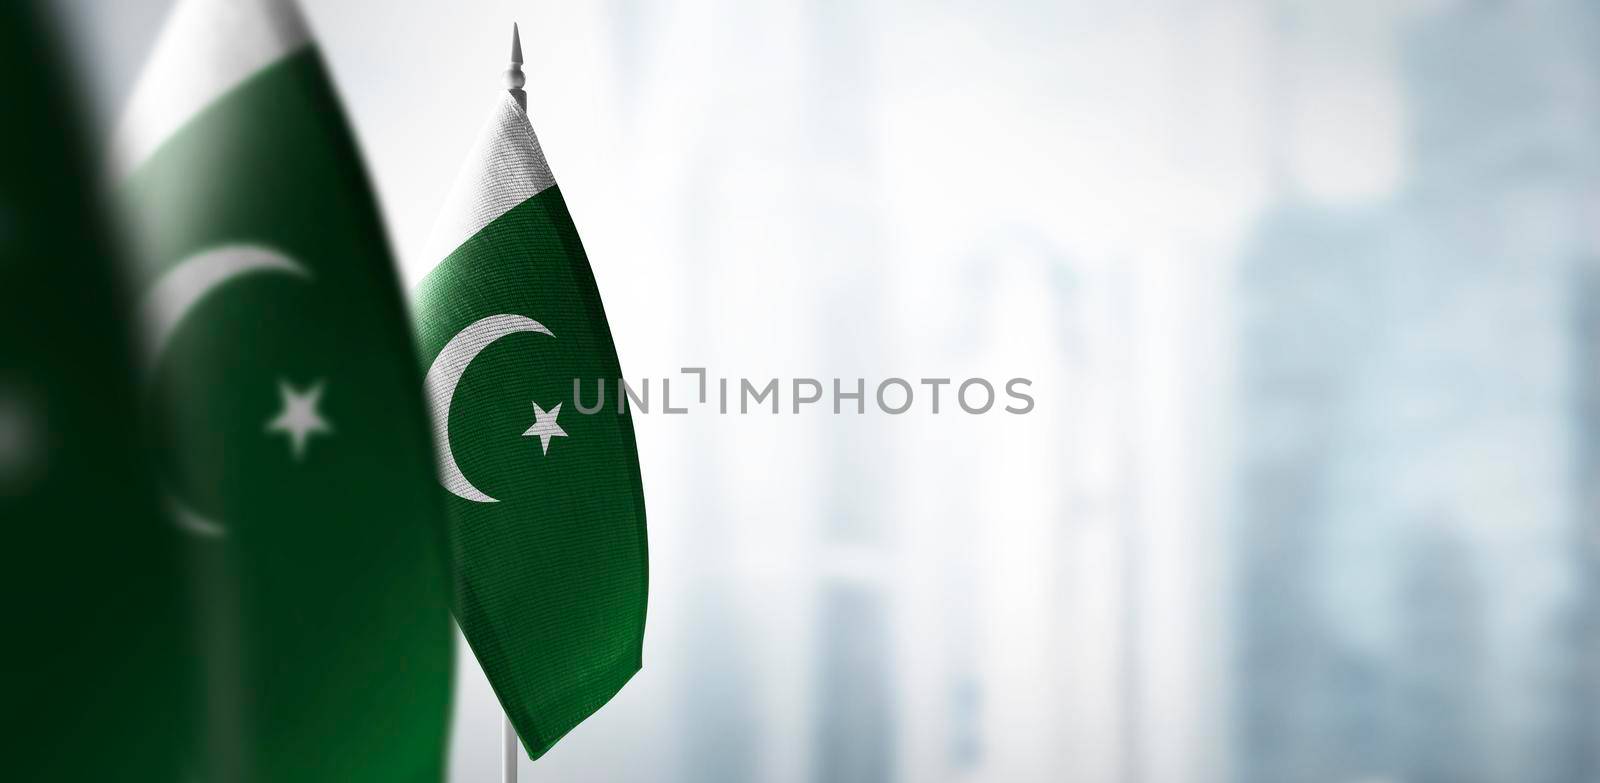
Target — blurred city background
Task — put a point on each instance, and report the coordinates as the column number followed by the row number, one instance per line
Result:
column 1309, row 292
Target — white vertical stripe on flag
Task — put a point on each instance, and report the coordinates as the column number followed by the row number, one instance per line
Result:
column 206, row 48
column 505, row 168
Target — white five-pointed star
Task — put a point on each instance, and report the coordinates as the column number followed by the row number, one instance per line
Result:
column 299, row 418
column 544, row 425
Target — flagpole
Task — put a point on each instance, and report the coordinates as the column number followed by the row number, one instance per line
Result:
column 508, row 750
column 514, row 77
column 508, row 733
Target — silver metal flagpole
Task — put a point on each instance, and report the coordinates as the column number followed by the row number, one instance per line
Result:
column 508, row 750
column 509, row 744
column 514, row 77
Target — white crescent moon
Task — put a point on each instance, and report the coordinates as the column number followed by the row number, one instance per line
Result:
column 190, row 280
column 440, row 385
column 177, row 292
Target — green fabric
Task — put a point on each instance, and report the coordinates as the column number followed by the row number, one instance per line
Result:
column 326, row 601
column 551, row 580
column 97, row 661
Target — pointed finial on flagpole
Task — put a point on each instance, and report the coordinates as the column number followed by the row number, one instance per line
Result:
column 514, row 77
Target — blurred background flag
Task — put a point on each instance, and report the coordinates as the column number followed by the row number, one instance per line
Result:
column 546, row 502
column 285, row 390
column 92, row 567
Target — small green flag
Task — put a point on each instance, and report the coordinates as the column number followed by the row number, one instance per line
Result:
column 546, row 503
column 98, row 658
column 284, row 385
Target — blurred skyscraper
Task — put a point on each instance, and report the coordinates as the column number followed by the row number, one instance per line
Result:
column 1441, row 665
column 1413, row 456
column 1305, row 709
column 1580, row 634
column 1006, row 719
column 855, row 717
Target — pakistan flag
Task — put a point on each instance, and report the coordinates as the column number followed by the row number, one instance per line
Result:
column 281, row 382
column 95, row 668
column 545, row 501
